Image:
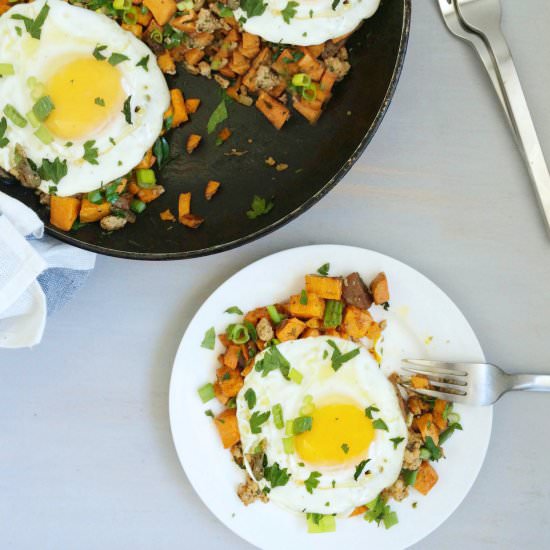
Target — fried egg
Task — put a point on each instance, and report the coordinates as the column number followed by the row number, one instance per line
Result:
column 304, row 22
column 105, row 95
column 342, row 435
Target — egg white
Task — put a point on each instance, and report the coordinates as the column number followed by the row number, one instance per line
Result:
column 70, row 32
column 358, row 381
column 315, row 21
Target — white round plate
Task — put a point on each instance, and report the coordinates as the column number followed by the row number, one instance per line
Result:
column 422, row 323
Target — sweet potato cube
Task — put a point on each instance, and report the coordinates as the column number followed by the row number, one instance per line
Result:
column 426, row 478
column 438, row 411
column 220, row 396
column 191, row 220
column 379, row 289
column 193, row 56
column 315, row 306
column 162, row 10
column 427, row 427
column 184, row 205
column 192, row 104
column 311, row 333
column 230, row 380
column 311, row 66
column 167, row 216
column 178, row 107
column 272, row 109
column 307, row 110
column 63, row 212
column 256, row 314
column 420, row 382
column 250, row 45
column 90, row 212
column 192, row 142
column 228, row 428
column 231, row 357
column 416, row 405
column 166, row 63
column 357, row 321
column 329, row 288
column 290, row 329
column 211, row 189
column 374, row 331
column 314, row 323
column 151, row 194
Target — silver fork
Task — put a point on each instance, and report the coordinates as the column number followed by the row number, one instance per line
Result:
column 471, row 383
column 484, row 18
column 452, row 20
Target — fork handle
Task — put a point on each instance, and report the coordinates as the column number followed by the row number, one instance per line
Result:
column 521, row 119
column 530, row 382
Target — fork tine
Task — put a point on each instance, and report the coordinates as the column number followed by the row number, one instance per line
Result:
column 438, row 394
column 461, row 388
column 430, row 375
column 436, row 367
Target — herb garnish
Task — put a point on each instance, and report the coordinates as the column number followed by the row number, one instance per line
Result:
column 273, row 359
column 218, row 116
column 161, row 150
column 379, row 424
column 276, row 476
column 312, row 481
column 117, row 58
column 99, row 101
column 259, row 207
column 345, row 448
column 54, row 170
column 209, row 413
column 209, row 340
column 3, row 127
column 445, row 434
column 233, row 309
column 257, row 419
column 359, row 468
column 334, row 4
column 379, row 511
column 127, row 110
column 303, row 298
column 97, row 52
column 302, row 424
column 253, row 8
column 324, row 269
column 90, row 152
column 34, row 26
column 338, row 359
column 290, row 11
column 143, row 63
column 435, row 452
column 370, row 410
column 250, row 396
column 396, row 441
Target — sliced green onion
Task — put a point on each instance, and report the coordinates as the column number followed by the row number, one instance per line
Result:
column 31, row 117
column 323, row 524
column 32, row 81
column 185, row 5
column 308, row 399
column 137, row 206
column 409, row 476
column 38, row 91
column 130, row 16
column 390, row 519
column 288, row 445
column 425, row 454
column 156, row 35
column 309, row 93
column 95, row 196
column 206, row 392
column 453, row 418
column 43, row 134
column 238, row 333
column 333, row 313
column 43, row 107
column 15, row 116
column 302, row 424
column 6, row 69
column 301, row 79
column 307, row 410
column 146, row 178
column 274, row 314
column 296, row 376
column 278, row 420
column 289, row 427
column 122, row 4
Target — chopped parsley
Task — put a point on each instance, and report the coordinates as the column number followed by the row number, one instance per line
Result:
column 209, row 340
column 253, row 8
column 273, row 359
column 303, row 298
column 161, row 150
column 312, row 481
column 97, row 53
column 334, row 4
column 409, row 476
column 90, row 152
column 338, row 359
column 396, row 441
column 144, row 63
column 233, row 309
column 54, row 170
column 345, row 448
column 259, row 207
column 34, row 26
column 127, row 110
column 324, row 269
column 117, row 58
column 379, row 424
column 370, row 410
column 379, row 511
column 209, row 413
column 218, row 116
column 435, row 452
column 289, row 11
column 256, row 421
column 3, row 127
column 250, row 396
column 275, row 475
column 302, row 424
column 99, row 101
column 445, row 434
column 359, row 468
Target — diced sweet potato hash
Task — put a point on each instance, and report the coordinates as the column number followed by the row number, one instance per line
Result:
column 335, row 306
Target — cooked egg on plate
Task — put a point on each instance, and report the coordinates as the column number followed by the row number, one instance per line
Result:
column 81, row 98
column 328, row 421
column 303, row 22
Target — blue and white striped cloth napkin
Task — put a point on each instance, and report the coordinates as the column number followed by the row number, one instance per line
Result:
column 38, row 275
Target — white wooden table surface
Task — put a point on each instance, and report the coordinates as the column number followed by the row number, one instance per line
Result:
column 86, row 458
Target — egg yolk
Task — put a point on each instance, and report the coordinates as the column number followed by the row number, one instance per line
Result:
column 87, row 94
column 340, row 433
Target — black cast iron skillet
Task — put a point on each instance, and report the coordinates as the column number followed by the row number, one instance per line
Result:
column 317, row 156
